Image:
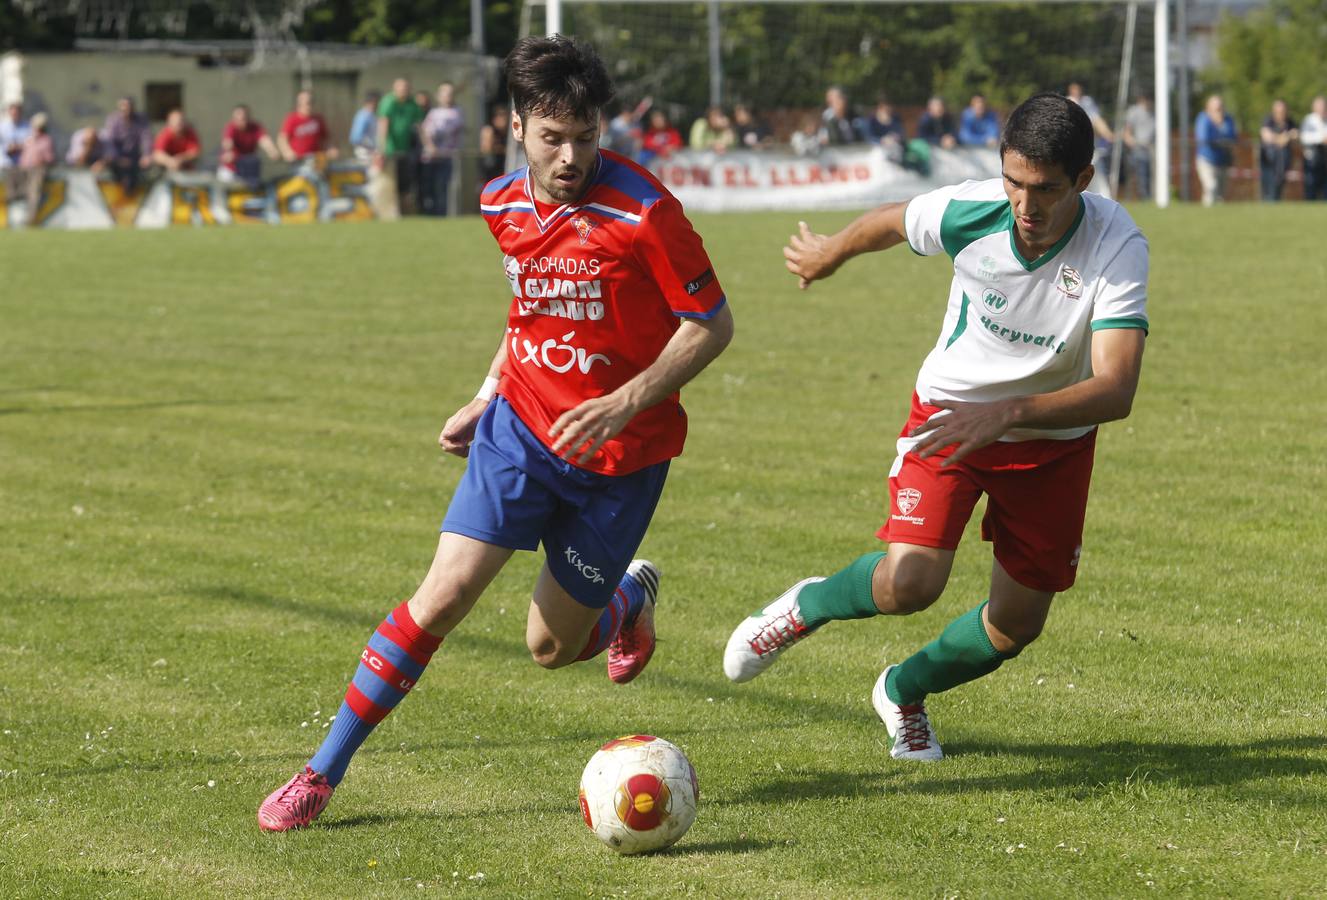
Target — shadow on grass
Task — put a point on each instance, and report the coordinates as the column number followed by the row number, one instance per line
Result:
column 370, row 820
column 716, row 848
column 132, row 407
column 1080, row 770
column 302, row 609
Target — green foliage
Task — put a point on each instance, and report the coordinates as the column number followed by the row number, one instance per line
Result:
column 22, row 31
column 1270, row 53
column 220, row 472
column 435, row 24
column 783, row 55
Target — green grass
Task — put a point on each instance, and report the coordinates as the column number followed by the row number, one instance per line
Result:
column 218, row 471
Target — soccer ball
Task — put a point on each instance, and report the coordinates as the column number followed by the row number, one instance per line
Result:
column 639, row 793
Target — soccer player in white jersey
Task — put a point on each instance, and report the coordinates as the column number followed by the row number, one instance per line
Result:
column 1042, row 341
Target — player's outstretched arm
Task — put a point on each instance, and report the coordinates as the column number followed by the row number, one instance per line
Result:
column 459, row 430
column 811, row 256
column 1117, row 363
column 581, row 431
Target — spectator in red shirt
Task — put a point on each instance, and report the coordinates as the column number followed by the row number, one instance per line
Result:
column 241, row 140
column 661, row 139
column 176, row 147
column 304, row 133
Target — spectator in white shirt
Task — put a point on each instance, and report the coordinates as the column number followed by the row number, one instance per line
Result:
column 440, row 135
column 1313, row 138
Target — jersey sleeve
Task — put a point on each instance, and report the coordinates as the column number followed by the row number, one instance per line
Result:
column 1121, row 299
column 669, row 249
column 922, row 218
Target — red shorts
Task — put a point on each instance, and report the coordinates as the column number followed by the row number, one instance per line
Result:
column 1037, row 497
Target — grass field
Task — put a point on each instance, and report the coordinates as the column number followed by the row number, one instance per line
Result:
column 218, row 472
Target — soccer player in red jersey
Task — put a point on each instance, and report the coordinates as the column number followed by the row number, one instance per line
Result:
column 614, row 307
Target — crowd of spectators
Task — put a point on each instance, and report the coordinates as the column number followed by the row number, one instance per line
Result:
column 419, row 138
column 1216, row 135
column 647, row 133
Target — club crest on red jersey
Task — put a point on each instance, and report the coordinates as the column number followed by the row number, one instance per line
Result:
column 583, row 225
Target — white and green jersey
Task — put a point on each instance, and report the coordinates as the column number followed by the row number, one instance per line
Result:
column 1016, row 327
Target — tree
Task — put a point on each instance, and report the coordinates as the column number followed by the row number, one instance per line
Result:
column 21, row 30
column 1274, row 52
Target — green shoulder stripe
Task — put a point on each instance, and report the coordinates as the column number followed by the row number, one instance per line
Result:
column 1123, row 322
column 965, row 221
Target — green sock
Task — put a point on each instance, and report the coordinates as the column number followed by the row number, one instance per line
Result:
column 843, row 595
column 963, row 652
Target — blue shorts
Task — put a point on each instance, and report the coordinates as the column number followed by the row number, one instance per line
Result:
column 516, row 493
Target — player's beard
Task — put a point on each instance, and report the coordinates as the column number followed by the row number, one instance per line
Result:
column 562, row 192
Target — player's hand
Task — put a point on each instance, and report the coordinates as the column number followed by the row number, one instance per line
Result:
column 809, row 256
column 586, row 427
column 460, row 428
column 967, row 426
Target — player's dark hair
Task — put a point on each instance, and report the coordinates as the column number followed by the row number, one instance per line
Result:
column 558, row 77
column 1050, row 128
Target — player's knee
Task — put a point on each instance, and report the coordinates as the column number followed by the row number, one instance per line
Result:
column 906, row 589
column 438, row 608
column 550, row 653
column 1012, row 638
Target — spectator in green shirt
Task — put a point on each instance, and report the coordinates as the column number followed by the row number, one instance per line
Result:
column 399, row 117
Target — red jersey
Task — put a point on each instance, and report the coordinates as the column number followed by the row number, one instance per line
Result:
column 663, row 141
column 598, row 288
column 175, row 143
column 305, row 134
column 244, row 141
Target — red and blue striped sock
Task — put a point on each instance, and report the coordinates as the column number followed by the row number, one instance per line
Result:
column 388, row 668
column 626, row 603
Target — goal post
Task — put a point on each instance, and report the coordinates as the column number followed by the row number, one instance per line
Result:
column 710, row 52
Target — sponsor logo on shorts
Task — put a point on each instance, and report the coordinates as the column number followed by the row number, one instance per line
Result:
column 908, row 499
column 588, row 572
column 1078, row 552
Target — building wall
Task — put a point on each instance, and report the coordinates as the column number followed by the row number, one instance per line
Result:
column 80, row 88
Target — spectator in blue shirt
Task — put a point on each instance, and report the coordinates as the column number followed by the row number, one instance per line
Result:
column 364, row 127
column 1214, row 134
column 13, row 132
column 882, row 127
column 936, row 126
column 978, row 125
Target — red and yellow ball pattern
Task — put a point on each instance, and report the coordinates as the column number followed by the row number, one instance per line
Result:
column 642, row 801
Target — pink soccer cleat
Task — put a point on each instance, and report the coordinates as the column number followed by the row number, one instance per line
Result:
column 631, row 650
column 296, row 803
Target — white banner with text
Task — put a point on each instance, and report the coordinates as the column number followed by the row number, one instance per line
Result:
column 836, row 178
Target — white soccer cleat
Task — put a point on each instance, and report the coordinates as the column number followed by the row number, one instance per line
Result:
column 761, row 637
column 907, row 725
